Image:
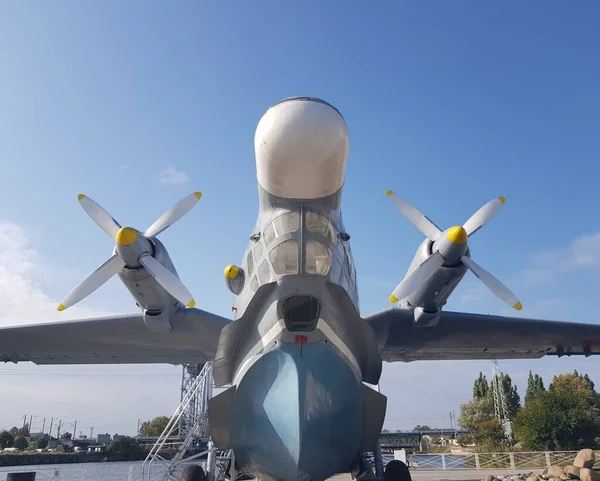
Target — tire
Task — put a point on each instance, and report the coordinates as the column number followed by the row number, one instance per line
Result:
column 396, row 470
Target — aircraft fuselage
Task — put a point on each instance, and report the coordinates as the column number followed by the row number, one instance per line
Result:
column 298, row 352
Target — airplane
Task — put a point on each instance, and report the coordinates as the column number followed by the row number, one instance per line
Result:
column 298, row 360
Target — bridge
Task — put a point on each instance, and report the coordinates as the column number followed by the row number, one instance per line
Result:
column 414, row 439
column 388, row 439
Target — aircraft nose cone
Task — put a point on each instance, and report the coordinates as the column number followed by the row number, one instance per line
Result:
column 297, row 414
column 301, row 147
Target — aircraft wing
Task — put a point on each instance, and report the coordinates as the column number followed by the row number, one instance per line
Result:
column 115, row 340
column 460, row 335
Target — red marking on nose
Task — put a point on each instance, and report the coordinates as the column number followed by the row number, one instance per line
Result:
column 301, row 340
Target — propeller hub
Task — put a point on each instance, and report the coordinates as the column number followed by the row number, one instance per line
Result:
column 126, row 236
column 232, row 271
column 457, row 235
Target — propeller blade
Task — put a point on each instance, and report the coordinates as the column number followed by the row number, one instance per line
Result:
column 493, row 284
column 415, row 216
column 167, row 280
column 483, row 215
column 173, row 214
column 103, row 219
column 417, row 277
column 93, row 281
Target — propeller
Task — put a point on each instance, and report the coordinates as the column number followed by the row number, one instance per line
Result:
column 133, row 249
column 449, row 247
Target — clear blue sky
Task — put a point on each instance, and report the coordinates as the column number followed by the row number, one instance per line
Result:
column 448, row 103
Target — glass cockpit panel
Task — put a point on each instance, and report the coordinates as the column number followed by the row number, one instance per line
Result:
column 284, row 258
column 258, row 250
column 320, row 224
column 284, row 224
column 249, row 264
column 264, row 272
column 300, row 312
column 318, row 258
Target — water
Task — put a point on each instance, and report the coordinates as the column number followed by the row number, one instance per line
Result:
column 118, row 471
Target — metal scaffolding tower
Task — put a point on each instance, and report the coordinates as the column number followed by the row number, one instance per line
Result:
column 500, row 405
column 191, row 417
column 196, row 406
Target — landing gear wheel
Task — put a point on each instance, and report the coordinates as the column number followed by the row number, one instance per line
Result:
column 396, row 470
column 193, row 473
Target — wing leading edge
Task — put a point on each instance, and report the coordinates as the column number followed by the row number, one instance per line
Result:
column 115, row 340
column 460, row 336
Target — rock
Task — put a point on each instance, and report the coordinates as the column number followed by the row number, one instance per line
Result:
column 586, row 474
column 489, row 477
column 572, row 471
column 532, row 478
column 585, row 459
column 555, row 471
column 564, row 477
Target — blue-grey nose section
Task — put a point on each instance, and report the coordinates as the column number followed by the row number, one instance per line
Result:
column 297, row 414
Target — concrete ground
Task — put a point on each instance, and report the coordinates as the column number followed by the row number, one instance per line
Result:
column 451, row 475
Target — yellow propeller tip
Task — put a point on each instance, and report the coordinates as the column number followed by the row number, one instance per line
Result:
column 394, row 299
column 388, row 192
column 192, row 303
column 81, row 196
column 60, row 307
column 502, row 199
column 518, row 306
column 198, row 195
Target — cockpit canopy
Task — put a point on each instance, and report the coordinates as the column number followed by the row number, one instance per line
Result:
column 278, row 250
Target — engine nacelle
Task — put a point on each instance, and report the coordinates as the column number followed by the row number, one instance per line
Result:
column 158, row 321
column 426, row 318
column 432, row 295
column 149, row 295
column 234, row 278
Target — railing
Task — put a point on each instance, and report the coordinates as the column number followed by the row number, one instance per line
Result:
column 417, row 462
column 85, row 472
column 482, row 461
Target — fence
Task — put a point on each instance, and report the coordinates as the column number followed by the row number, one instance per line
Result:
column 480, row 461
column 126, row 471
column 82, row 472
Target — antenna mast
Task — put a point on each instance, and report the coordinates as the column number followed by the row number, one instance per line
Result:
column 500, row 405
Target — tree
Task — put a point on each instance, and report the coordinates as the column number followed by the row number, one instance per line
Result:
column 473, row 413
column 574, row 382
column 66, row 436
column 421, row 427
column 465, row 439
column 6, row 439
column 126, row 448
column 42, row 442
column 490, row 435
column 481, row 387
column 155, row 427
column 20, row 443
column 535, row 386
column 566, row 417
